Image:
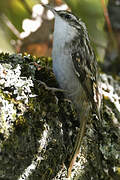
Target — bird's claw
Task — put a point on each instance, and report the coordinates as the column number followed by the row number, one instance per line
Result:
column 52, row 88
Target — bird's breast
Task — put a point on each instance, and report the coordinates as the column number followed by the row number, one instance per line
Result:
column 64, row 69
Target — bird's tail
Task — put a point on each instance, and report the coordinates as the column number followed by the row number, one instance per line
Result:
column 78, row 142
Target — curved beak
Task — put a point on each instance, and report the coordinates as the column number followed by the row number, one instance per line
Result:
column 50, row 8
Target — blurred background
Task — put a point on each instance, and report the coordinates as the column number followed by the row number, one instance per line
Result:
column 26, row 26
column 21, row 24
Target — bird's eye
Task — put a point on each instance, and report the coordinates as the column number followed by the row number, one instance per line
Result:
column 67, row 16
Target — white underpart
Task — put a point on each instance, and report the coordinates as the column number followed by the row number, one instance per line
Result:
column 62, row 61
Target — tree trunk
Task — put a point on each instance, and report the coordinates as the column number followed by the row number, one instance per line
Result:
column 38, row 126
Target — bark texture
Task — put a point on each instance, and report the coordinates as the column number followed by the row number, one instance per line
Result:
column 38, row 126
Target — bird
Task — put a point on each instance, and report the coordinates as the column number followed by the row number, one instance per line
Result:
column 76, row 70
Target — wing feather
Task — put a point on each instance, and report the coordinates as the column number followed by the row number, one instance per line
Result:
column 85, row 67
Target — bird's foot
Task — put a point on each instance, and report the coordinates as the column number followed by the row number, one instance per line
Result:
column 71, row 165
column 51, row 88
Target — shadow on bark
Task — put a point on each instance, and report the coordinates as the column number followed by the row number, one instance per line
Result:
column 38, row 126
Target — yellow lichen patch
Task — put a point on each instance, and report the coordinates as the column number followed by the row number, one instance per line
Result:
column 118, row 170
column 20, row 121
column 106, row 97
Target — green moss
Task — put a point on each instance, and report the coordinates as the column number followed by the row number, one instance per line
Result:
column 41, row 125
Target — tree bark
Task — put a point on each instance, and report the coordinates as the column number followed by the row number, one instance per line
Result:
column 38, row 126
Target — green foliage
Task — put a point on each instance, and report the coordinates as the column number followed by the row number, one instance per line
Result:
column 15, row 11
column 89, row 11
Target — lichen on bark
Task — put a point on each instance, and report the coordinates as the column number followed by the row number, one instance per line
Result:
column 38, row 126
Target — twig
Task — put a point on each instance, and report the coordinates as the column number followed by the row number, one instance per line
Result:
column 26, row 6
column 108, row 24
column 106, row 16
column 10, row 25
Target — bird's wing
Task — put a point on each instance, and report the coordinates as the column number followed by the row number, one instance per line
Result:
column 85, row 65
